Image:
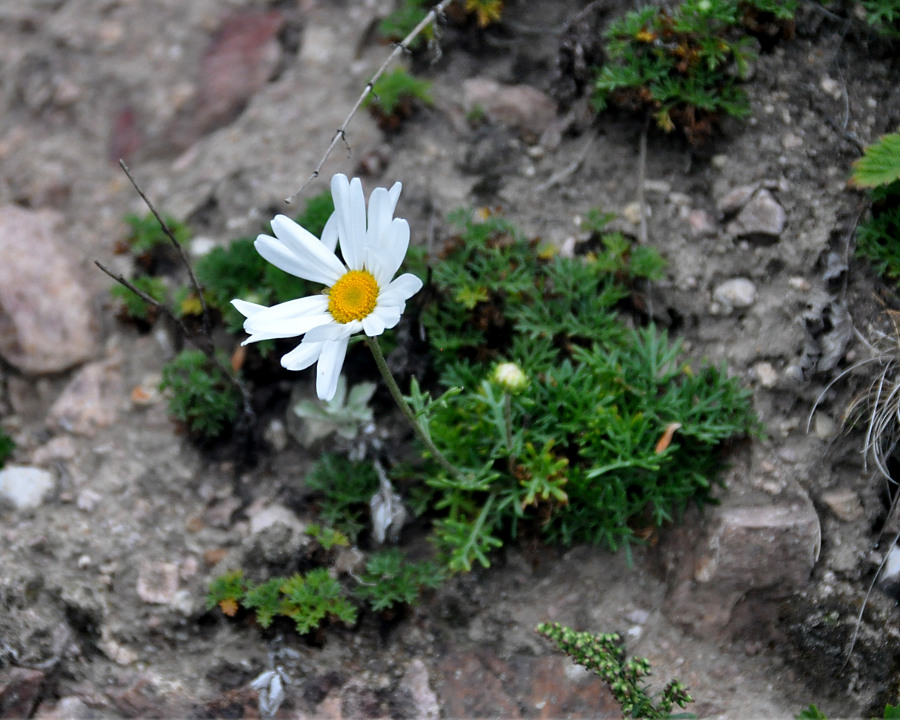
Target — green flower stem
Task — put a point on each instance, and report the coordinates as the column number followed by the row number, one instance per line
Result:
column 406, row 410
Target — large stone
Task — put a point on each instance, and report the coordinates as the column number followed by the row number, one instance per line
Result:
column 519, row 107
column 46, row 321
column 766, row 552
column 91, row 399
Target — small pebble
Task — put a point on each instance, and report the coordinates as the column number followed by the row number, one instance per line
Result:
column 766, row 374
column 799, row 283
column 735, row 293
column 25, row 488
column 844, row 504
column 632, row 213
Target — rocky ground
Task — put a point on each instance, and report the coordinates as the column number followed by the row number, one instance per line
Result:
column 118, row 524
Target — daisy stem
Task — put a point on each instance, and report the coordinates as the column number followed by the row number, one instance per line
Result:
column 406, row 409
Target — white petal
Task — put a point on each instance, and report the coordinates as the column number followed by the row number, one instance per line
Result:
column 373, row 324
column 388, row 315
column 322, row 267
column 400, row 290
column 290, row 318
column 303, row 243
column 302, row 356
column 330, row 233
column 381, row 209
column 332, row 331
column 350, row 206
column 247, row 309
column 394, row 245
column 329, row 368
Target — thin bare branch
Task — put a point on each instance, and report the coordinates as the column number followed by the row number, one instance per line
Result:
column 400, row 47
column 207, row 324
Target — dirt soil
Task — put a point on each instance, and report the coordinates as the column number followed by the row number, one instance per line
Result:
column 102, row 586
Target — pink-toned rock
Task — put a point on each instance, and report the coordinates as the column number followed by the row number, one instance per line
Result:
column 240, row 59
column 157, row 582
column 702, row 224
column 46, row 321
column 520, row 107
column 415, row 681
column 91, row 399
column 19, row 691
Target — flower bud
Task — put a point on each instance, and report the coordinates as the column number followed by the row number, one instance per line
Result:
column 510, row 377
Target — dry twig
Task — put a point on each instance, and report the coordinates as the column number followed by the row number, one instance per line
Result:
column 341, row 132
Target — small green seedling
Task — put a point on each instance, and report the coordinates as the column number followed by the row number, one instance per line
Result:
column 309, row 600
column 201, row 396
column 604, row 655
column 146, row 235
column 389, row 581
column 884, row 16
column 345, row 414
column 132, row 306
column 327, row 537
column 878, row 235
column 395, row 95
column 7, row 447
column 344, row 488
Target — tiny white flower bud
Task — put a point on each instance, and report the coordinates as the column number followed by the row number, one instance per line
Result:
column 510, row 377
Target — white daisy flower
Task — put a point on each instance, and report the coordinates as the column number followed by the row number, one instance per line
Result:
column 361, row 292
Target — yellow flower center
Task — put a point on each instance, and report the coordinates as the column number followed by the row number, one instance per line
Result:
column 353, row 297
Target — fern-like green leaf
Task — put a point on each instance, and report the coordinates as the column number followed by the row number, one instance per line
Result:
column 880, row 164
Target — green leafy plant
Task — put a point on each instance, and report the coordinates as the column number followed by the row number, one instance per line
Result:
column 880, row 163
column 878, row 236
column 891, row 712
column 397, row 24
column 309, row 600
column 884, row 16
column 132, row 306
column 390, row 581
column 684, row 66
column 345, row 488
column 327, row 537
column 7, row 446
column 146, row 235
column 610, row 436
column 604, row 655
column 395, row 95
column 201, row 396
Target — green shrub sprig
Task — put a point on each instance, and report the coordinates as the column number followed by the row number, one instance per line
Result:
column 604, row 655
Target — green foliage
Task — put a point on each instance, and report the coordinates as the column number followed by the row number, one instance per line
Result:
column 891, row 712
column 202, row 397
column 132, row 305
column 878, row 236
column 398, row 24
column 146, row 234
column 7, row 446
column 884, row 16
column 226, row 591
column 880, row 163
column 684, row 66
column 327, row 537
column 345, row 487
column 395, row 94
column 604, row 655
column 389, row 580
column 610, row 436
column 811, row 713
column 309, row 600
